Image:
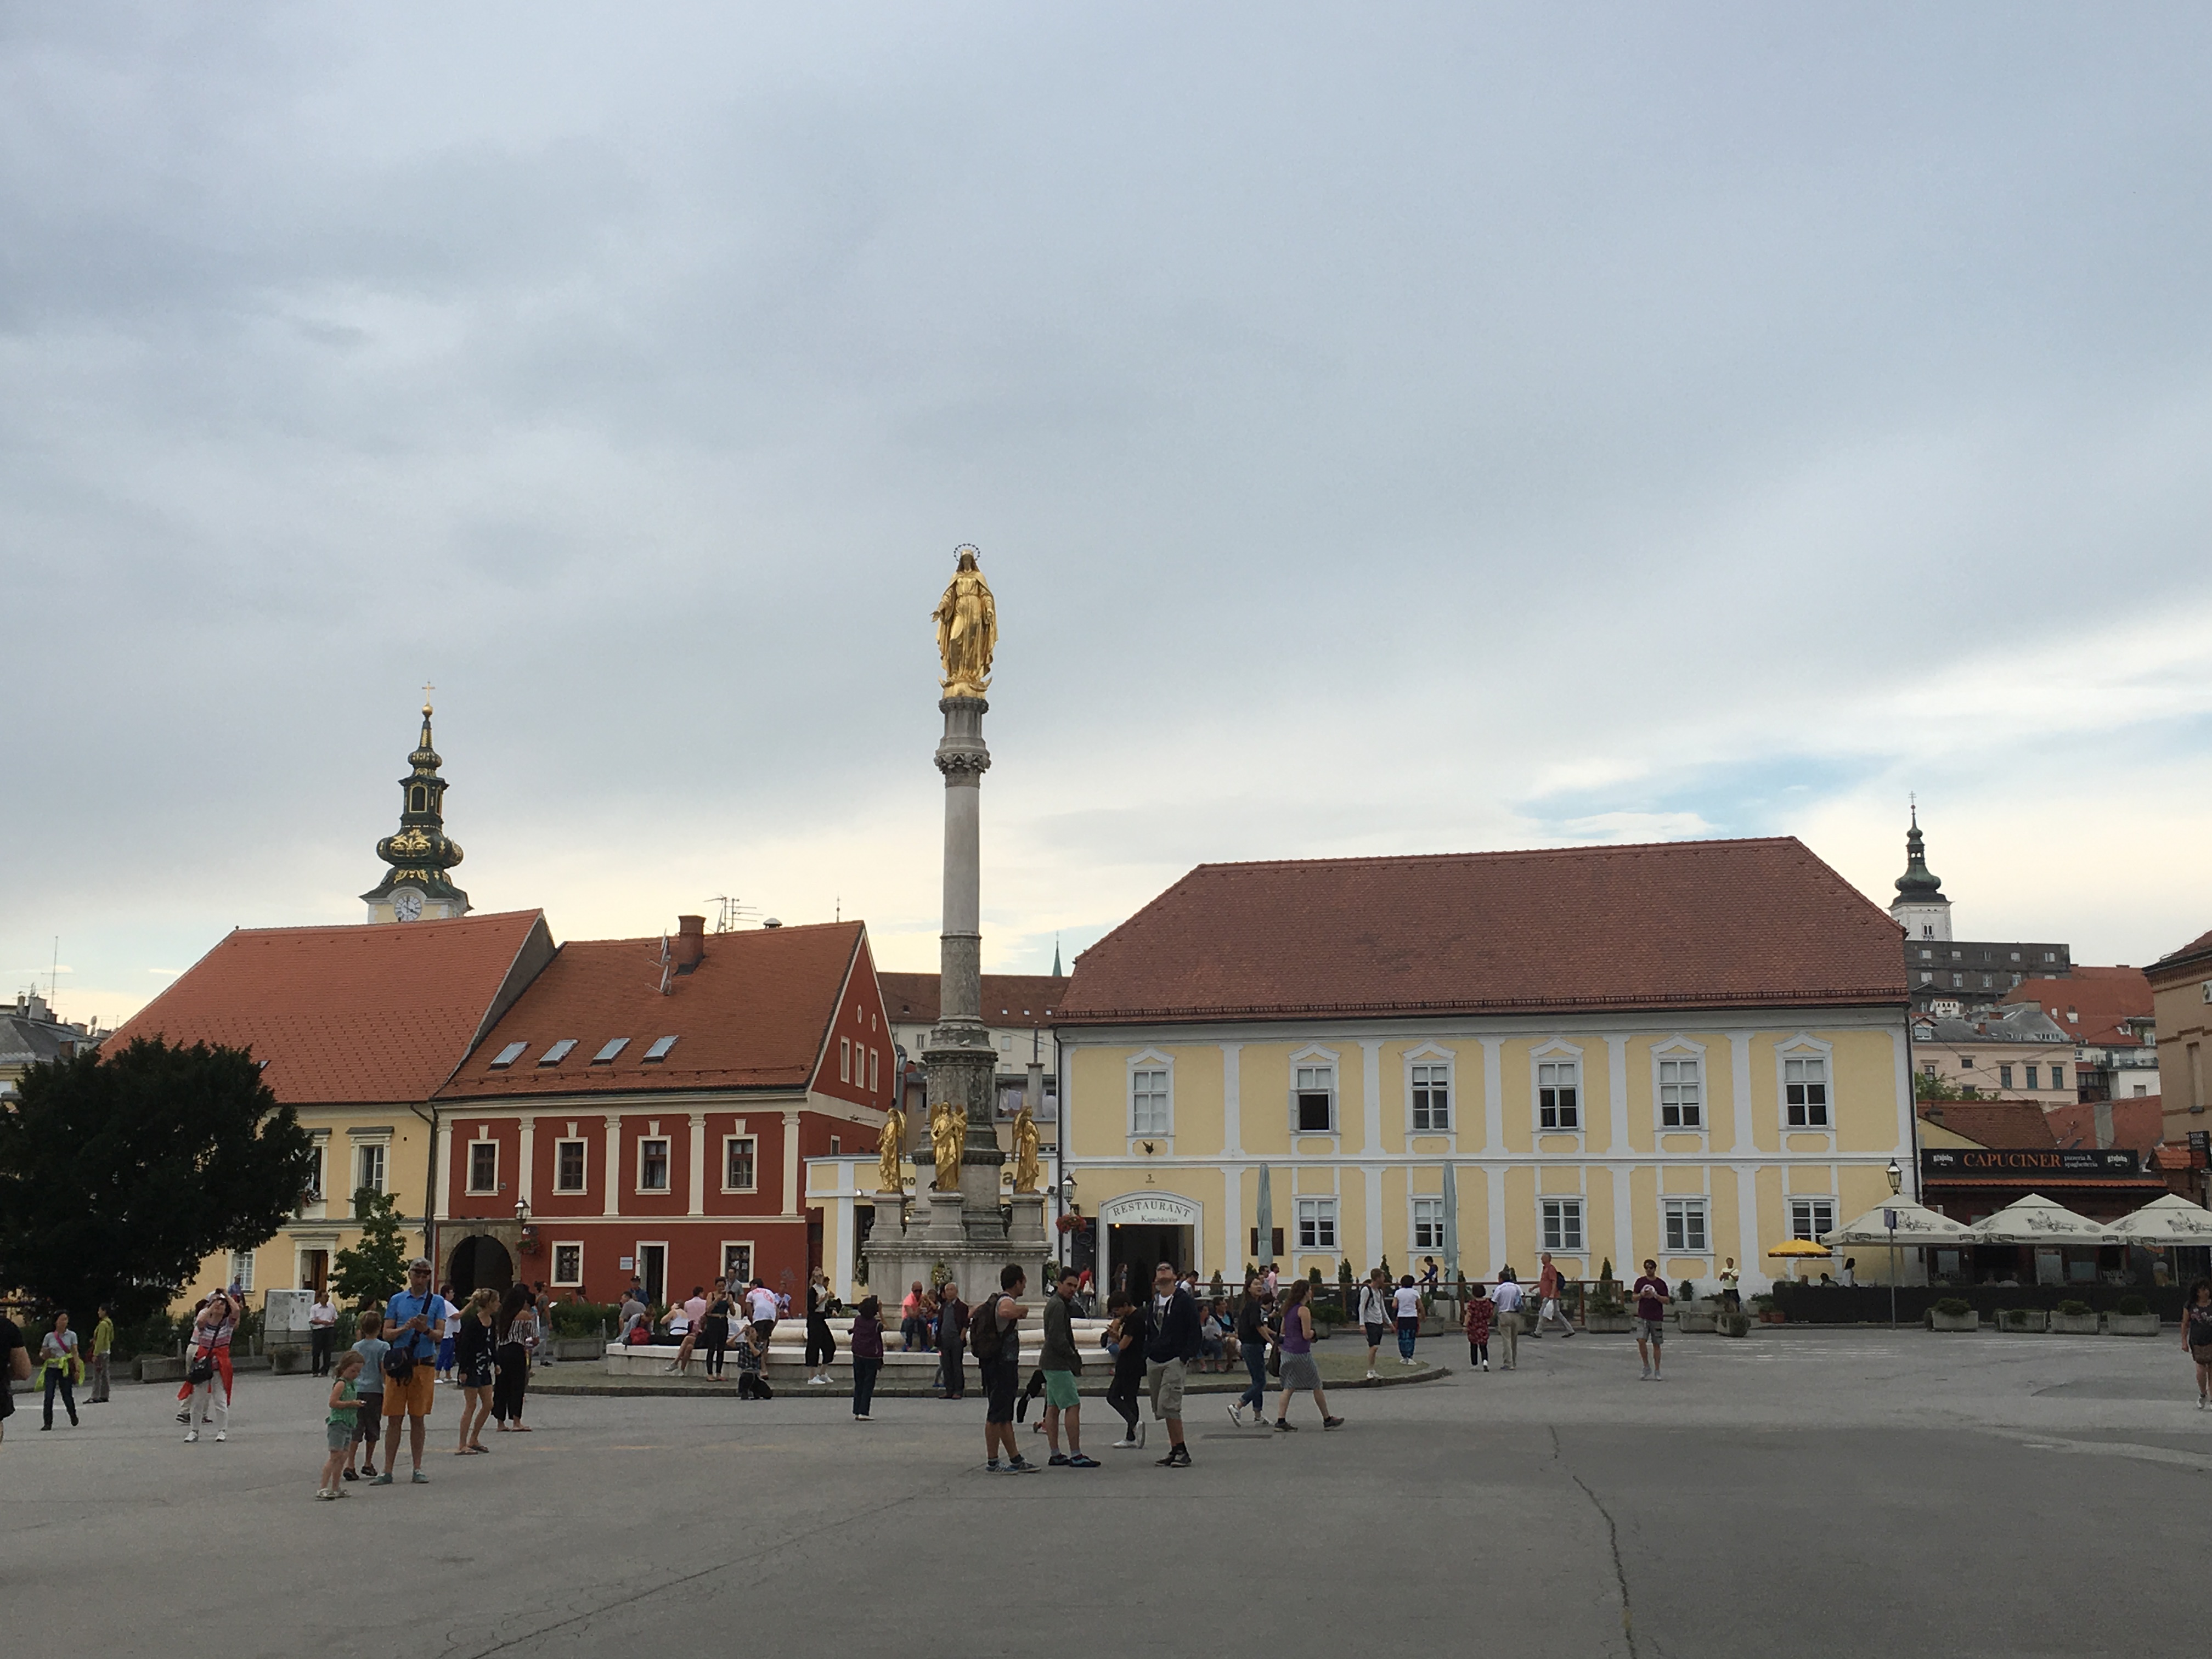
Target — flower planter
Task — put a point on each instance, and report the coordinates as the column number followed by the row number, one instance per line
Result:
column 1609, row 1322
column 2066, row 1324
column 1773, row 1317
column 1694, row 1320
column 290, row 1361
column 160, row 1368
column 2120, row 1324
column 1968, row 1320
column 2024, row 1321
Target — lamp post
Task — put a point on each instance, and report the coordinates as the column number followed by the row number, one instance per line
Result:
column 1896, row 1184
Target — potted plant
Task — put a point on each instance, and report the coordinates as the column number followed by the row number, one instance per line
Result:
column 2023, row 1320
column 1604, row 1312
column 2133, row 1317
column 1732, row 1322
column 1954, row 1313
column 1691, row 1314
column 1763, row 1305
column 2074, row 1319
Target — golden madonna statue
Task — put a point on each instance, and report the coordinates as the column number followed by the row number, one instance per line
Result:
column 890, row 1148
column 1027, row 1171
column 967, row 630
column 948, row 1138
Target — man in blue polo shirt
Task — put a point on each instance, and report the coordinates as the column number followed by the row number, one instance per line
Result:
column 414, row 1321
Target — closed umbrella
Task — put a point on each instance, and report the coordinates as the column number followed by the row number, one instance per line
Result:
column 1451, row 1225
column 1266, row 1214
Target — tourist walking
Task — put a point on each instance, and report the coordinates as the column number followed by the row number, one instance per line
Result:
column 1376, row 1314
column 1171, row 1342
column 866, row 1342
column 369, row 1419
column 761, row 1310
column 322, row 1326
column 344, row 1412
column 58, row 1354
column 207, row 1368
column 2197, row 1338
column 517, row 1346
column 1651, row 1299
column 952, row 1343
column 1125, row 1340
column 995, row 1333
column 447, row 1343
column 1547, row 1297
column 1063, row 1364
column 1406, row 1304
column 1507, row 1299
column 103, row 1343
column 1252, row 1334
column 821, row 1342
column 1301, row 1374
column 721, row 1309
column 416, row 1324
column 15, row 1367
column 474, row 1340
column 1479, row 1312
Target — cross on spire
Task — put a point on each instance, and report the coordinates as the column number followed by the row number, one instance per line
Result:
column 427, row 690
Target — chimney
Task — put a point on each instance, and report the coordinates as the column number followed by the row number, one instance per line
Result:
column 690, row 942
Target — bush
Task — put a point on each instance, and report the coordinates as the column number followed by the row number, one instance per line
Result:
column 2074, row 1309
column 1952, row 1307
column 2133, row 1304
column 583, row 1318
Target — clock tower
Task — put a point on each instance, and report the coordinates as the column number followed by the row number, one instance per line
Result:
column 415, row 887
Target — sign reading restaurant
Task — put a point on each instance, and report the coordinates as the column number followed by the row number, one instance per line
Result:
column 2107, row 1163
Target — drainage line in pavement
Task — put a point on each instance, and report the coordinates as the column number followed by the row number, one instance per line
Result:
column 1613, row 1543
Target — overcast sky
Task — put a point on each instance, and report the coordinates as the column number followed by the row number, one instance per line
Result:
column 1386, row 430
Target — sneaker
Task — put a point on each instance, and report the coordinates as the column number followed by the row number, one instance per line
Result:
column 817, row 1381
column 1237, row 1415
column 1177, row 1459
column 862, row 1416
column 323, row 1492
column 185, row 1415
column 1569, row 1334
column 991, row 1467
column 1646, row 1377
column 1021, row 1466
column 1332, row 1422
column 1125, row 1443
column 1080, row 1461
column 1283, row 1426
column 421, row 1479
column 1485, row 1364
column 1373, row 1375
column 1058, row 1461
column 190, row 1435
column 1656, row 1377
column 384, row 1479
column 222, row 1435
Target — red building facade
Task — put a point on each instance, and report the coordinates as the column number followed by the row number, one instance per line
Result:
column 648, row 1110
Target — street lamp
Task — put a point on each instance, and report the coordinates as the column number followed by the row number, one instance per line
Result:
column 522, row 1209
column 1896, row 1185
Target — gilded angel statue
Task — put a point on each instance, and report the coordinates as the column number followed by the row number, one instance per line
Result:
column 1028, row 1173
column 967, row 630
column 948, row 1138
column 890, row 1148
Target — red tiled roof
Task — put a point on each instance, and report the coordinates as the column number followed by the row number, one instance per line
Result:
column 2102, row 997
column 353, row 1014
column 1008, row 999
column 2199, row 946
column 752, row 1015
column 2009, row 1125
column 1715, row 924
column 2138, row 1123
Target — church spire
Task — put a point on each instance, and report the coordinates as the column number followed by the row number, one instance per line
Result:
column 1918, row 882
column 420, row 853
column 1056, row 974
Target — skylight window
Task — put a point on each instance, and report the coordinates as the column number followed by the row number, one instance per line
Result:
column 557, row 1052
column 508, row 1055
column 661, row 1048
column 606, row 1056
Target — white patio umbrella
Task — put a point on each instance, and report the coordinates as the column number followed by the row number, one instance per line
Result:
column 1916, row 1225
column 2036, row 1219
column 1451, row 1225
column 1265, row 1218
column 2162, row 1222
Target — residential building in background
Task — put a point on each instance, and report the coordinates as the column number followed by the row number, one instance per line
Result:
column 2109, row 1014
column 31, row 1034
column 2181, row 993
column 2015, row 1053
column 1953, row 976
column 1019, row 1009
column 1685, row 1051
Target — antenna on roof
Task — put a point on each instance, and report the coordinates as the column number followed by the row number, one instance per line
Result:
column 728, row 912
column 667, row 965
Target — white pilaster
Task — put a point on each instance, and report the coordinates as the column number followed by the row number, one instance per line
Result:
column 1232, row 1108
column 1616, row 1084
column 1906, row 1160
column 1495, row 1203
column 1623, row 1224
column 1740, row 1091
column 790, row 1163
column 435, row 1205
column 1232, row 1256
column 698, row 1164
column 1374, row 1174
column 1748, row 1261
column 1493, row 1104
column 613, row 1206
column 529, row 1156
column 1371, row 1086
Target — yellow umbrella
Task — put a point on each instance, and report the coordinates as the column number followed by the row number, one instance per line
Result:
column 1800, row 1247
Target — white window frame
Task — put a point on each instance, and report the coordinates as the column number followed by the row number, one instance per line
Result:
column 1321, row 1213
column 751, row 1257
column 1426, row 1209
column 583, row 1163
column 1677, row 1051
column 1557, row 1052
column 241, row 1271
column 875, row 1070
column 729, row 1141
column 1804, row 1046
column 361, row 1150
column 1432, row 1059
column 470, row 1168
column 649, row 1138
column 1681, row 1207
column 1314, row 1057
column 1149, row 1061
column 559, row 1245
column 844, row 1060
column 1789, row 1203
column 1554, row 1213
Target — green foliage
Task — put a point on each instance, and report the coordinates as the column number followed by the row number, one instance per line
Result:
column 375, row 1268
column 583, row 1318
column 1344, row 1271
column 121, row 1171
column 1313, row 1277
column 156, row 1333
column 1953, row 1307
column 1387, row 1272
column 1605, row 1273
column 2133, row 1304
column 1927, row 1087
column 2074, row 1309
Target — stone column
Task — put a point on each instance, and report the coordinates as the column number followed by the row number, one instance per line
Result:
column 963, row 1067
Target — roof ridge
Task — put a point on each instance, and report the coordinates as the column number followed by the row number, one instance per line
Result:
column 369, row 929
column 1576, row 848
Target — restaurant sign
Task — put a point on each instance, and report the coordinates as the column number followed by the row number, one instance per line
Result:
column 2031, row 1163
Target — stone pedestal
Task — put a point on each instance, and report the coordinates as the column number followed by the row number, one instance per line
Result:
column 1025, row 1231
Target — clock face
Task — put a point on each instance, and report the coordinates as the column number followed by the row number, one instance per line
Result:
column 406, row 904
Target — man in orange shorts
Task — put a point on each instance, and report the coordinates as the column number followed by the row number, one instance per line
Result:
column 414, row 1322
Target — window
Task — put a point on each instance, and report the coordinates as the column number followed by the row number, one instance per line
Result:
column 2005, row 1078
column 1805, row 1089
column 1432, row 1097
column 1558, row 1095
column 1563, row 1225
column 844, row 1060
column 1680, row 1105
column 557, row 1052
column 483, row 1166
column 369, row 1168
column 315, row 1176
column 874, row 1071
column 567, row 1166
column 567, row 1264
column 1148, row 1101
column 738, row 1263
column 652, row 1165
column 1927, row 978
column 1811, row 1217
column 1928, row 956
column 1684, row 1222
column 1927, row 1068
column 661, row 1048
column 1428, row 1223
column 836, row 1145
column 508, row 1055
column 1958, row 982
column 1965, row 1062
column 2052, row 956
column 1316, row 1108
column 2032, row 1082
column 2016, row 956
column 1316, row 1223
column 738, row 1167
column 242, row 1270
column 606, row 1056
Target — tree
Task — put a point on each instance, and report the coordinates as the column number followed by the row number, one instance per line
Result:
column 120, row 1173
column 1930, row 1085
column 376, row 1267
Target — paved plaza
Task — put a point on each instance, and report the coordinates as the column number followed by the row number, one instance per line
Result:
column 1832, row 1492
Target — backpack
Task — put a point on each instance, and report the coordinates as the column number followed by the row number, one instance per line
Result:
column 985, row 1338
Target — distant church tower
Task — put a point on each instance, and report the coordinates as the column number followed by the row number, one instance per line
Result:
column 420, row 854
column 1920, row 906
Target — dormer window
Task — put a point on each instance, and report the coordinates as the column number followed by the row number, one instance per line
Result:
column 661, row 1048
column 557, row 1052
column 606, row 1056
column 506, row 1056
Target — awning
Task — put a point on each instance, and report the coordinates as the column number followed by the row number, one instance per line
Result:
column 1916, row 1225
column 2163, row 1221
column 2036, row 1219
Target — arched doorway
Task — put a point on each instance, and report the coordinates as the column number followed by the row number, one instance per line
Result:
column 479, row 1262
